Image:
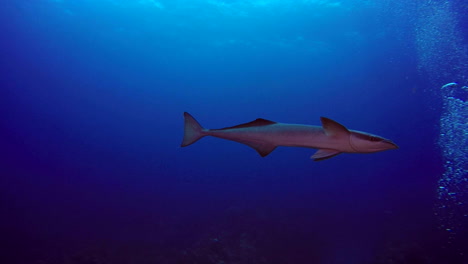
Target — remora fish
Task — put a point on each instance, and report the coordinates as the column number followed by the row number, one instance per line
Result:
column 264, row 136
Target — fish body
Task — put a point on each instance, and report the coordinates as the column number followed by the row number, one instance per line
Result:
column 264, row 136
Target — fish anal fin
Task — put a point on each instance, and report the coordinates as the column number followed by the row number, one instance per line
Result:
column 333, row 128
column 262, row 148
column 255, row 123
column 323, row 154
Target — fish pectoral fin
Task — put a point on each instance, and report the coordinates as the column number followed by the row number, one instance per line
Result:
column 323, row 154
column 262, row 148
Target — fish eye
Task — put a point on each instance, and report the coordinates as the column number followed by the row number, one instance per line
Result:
column 369, row 137
column 376, row 139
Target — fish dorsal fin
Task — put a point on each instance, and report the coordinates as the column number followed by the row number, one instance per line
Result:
column 333, row 128
column 323, row 154
column 255, row 123
column 262, row 148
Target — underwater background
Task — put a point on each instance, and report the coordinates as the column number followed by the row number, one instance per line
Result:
column 91, row 101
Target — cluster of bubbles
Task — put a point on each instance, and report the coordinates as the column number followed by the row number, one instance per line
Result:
column 439, row 42
column 452, row 207
column 442, row 56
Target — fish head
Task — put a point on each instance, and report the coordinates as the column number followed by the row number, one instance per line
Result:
column 362, row 142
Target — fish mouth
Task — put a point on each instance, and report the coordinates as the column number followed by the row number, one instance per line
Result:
column 391, row 144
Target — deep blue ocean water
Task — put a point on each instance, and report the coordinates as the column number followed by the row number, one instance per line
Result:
column 91, row 101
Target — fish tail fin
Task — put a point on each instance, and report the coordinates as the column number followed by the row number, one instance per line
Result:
column 193, row 131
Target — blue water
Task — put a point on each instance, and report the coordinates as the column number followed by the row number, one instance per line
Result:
column 91, row 101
